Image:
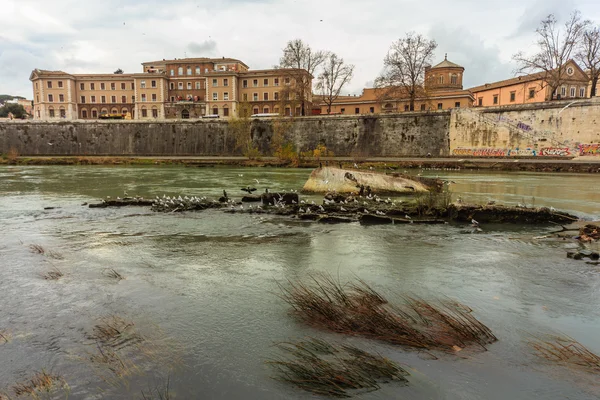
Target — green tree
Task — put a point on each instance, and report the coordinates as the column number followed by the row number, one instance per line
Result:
column 17, row 111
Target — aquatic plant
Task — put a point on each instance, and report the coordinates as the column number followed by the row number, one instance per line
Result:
column 357, row 309
column 326, row 369
column 53, row 275
column 36, row 248
column 111, row 273
column 42, row 383
column 159, row 392
column 566, row 351
column 114, row 331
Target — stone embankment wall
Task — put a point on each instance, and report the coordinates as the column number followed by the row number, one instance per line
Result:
column 545, row 129
column 408, row 134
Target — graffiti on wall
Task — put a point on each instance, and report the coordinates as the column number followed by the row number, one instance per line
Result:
column 589, row 149
column 479, row 152
column 518, row 152
column 555, row 152
column 528, row 152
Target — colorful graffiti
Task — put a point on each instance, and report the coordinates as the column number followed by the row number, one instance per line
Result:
column 589, row 149
column 555, row 152
column 479, row 152
column 522, row 152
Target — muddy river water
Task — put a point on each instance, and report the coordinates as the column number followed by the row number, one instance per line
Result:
column 201, row 288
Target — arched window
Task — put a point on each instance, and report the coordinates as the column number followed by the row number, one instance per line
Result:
column 154, row 112
column 144, row 112
column 441, row 80
column 62, row 112
column 225, row 111
column 454, row 79
column 124, row 111
column 388, row 107
column 255, row 110
column 185, row 114
column 84, row 113
column 276, row 110
column 215, row 110
column 266, row 110
column 172, row 86
column 94, row 113
column 51, row 112
column 114, row 111
column 104, row 111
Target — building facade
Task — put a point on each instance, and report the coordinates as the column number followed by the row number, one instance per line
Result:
column 179, row 88
column 533, row 88
column 443, row 90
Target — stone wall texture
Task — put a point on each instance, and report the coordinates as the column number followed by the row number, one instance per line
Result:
column 408, row 134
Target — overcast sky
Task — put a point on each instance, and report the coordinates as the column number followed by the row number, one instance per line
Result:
column 100, row 36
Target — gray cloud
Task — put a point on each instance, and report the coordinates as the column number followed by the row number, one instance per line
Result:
column 540, row 9
column 206, row 48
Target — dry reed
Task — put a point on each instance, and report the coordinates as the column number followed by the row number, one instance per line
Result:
column 53, row 275
column 357, row 309
column 111, row 273
column 40, row 384
column 159, row 392
column 325, row 369
column 566, row 351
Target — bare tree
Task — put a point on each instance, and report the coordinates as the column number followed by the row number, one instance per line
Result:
column 404, row 67
column 299, row 57
column 588, row 55
column 556, row 47
column 336, row 74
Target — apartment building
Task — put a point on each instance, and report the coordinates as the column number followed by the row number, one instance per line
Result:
column 179, row 88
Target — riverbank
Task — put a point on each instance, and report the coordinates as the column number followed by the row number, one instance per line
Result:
column 576, row 165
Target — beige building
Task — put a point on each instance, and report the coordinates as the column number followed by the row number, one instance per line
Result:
column 533, row 88
column 179, row 88
column 443, row 90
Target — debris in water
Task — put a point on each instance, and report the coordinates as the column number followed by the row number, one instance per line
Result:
column 41, row 384
column 566, row 351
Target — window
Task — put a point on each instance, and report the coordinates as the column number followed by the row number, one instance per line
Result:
column 114, row 111
column 422, row 107
column 122, row 85
column 226, row 96
column 154, row 113
column 406, row 107
column 457, row 104
column 266, row 82
column 82, row 99
column 189, row 85
column 92, row 86
column 124, row 111
column 49, row 84
column 454, row 79
column 153, row 96
column 37, row 98
column 144, row 113
column 215, row 111
column 343, row 110
column 266, row 110
column 266, row 96
column 563, row 91
column 171, row 86
column 215, row 82
column 102, row 86
column 172, row 98
column 198, row 87
column 36, row 86
column 287, row 81
column 102, row 99
column 143, row 96
column 245, row 83
column 287, row 95
column 180, row 85
column 189, row 70
column 225, row 82
column 495, row 99
column 255, row 83
column 61, row 98
column 531, row 93
column 372, row 110
column 83, row 113
column 513, row 96
column 255, row 110
column 215, row 96
column 51, row 112
column 440, row 106
column 276, row 96
column 63, row 113
column 123, row 99
column 288, row 111
column 582, row 92
column 113, row 86
column 197, row 70
column 133, row 99
column 113, row 99
column 180, row 71
column 50, row 98
column 82, row 86
column 480, row 101
column 143, row 84
column 276, row 82
column 570, row 71
column 172, row 72
column 357, row 110
column 60, row 84
column 94, row 113
column 441, row 80
column 225, row 111
column 132, row 85
column 573, row 91
column 153, row 84
column 255, row 96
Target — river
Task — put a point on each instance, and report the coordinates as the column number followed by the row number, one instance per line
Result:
column 202, row 287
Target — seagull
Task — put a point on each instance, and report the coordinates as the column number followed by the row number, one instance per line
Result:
column 240, row 175
column 342, row 209
column 257, row 182
column 407, row 216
